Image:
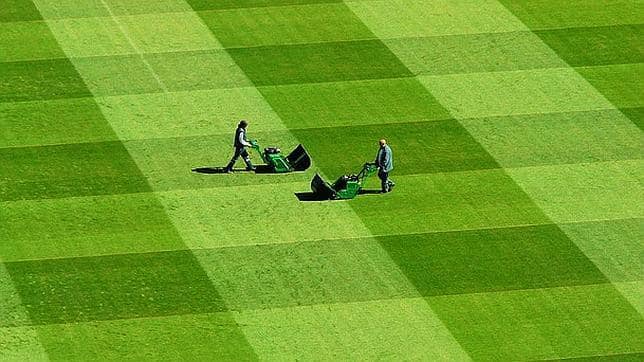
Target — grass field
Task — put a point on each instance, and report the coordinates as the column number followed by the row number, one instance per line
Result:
column 514, row 231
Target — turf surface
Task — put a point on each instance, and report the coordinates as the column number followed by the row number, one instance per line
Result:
column 514, row 231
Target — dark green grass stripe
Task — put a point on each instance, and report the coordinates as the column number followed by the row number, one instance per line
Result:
column 305, row 273
column 604, row 45
column 419, row 147
column 322, row 62
column 545, row 323
column 83, row 169
column 238, row 4
column 636, row 115
column 114, row 287
column 351, row 270
column 354, row 102
column 18, row 10
column 50, row 122
column 40, row 79
column 491, row 260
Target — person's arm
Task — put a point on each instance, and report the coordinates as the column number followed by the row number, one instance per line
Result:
column 387, row 157
column 242, row 139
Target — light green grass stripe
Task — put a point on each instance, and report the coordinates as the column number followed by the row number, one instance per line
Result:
column 197, row 337
column 65, row 9
column 577, row 192
column 413, row 18
column 373, row 330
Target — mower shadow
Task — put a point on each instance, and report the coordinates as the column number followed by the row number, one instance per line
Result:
column 214, row 170
column 309, row 196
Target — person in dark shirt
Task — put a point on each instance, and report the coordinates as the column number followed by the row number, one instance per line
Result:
column 240, row 143
column 385, row 163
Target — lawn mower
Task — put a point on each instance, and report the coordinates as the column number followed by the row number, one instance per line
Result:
column 345, row 187
column 297, row 160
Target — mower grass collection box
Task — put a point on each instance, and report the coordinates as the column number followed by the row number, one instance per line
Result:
column 297, row 160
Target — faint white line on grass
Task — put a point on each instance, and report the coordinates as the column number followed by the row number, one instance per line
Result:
column 297, row 306
column 374, row 236
column 136, row 48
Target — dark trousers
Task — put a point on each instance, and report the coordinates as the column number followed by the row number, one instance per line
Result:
column 385, row 183
column 240, row 151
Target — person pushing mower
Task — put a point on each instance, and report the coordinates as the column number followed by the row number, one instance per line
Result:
column 240, row 143
column 384, row 161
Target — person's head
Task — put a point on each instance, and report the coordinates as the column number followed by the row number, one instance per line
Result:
column 243, row 124
column 382, row 142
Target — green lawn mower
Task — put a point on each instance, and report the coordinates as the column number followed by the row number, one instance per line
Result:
column 297, row 160
column 345, row 187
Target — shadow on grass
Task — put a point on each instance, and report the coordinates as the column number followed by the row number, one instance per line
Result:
column 311, row 196
column 215, row 170
column 369, row 192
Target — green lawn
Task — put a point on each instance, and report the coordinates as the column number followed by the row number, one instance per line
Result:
column 514, row 231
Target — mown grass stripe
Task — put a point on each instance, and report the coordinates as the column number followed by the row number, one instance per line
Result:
column 635, row 114
column 609, row 40
column 253, row 277
column 68, row 170
column 550, row 323
column 18, row 10
column 490, row 323
column 315, row 63
column 617, row 44
column 18, row 341
column 114, row 287
column 109, row 287
column 340, row 57
column 241, row 4
column 179, row 337
column 40, row 79
column 554, row 14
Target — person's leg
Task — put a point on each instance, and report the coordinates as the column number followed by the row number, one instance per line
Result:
column 230, row 165
column 384, row 184
column 249, row 165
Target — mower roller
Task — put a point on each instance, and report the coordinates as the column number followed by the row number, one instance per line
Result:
column 297, row 160
column 345, row 187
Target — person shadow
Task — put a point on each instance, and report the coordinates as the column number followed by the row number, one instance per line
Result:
column 209, row 170
column 216, row 170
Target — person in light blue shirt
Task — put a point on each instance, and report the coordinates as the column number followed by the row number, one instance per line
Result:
column 385, row 163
